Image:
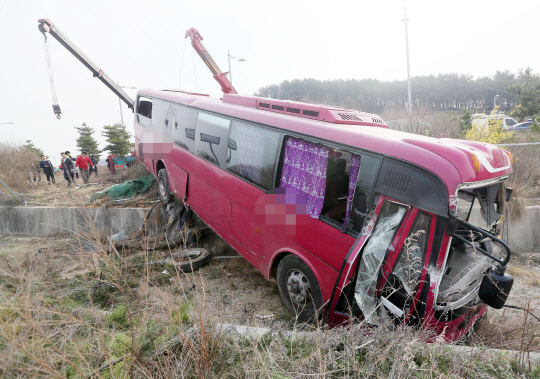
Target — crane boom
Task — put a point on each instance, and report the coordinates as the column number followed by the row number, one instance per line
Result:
column 46, row 26
column 221, row 77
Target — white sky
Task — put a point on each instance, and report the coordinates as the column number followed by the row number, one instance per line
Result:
column 141, row 44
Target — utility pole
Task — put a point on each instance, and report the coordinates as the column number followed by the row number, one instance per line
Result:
column 233, row 57
column 405, row 19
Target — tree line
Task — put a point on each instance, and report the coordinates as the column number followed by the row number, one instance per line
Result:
column 443, row 92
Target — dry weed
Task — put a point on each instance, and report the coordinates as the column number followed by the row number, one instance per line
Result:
column 113, row 318
column 15, row 165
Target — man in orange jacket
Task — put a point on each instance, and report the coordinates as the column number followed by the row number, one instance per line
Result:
column 84, row 163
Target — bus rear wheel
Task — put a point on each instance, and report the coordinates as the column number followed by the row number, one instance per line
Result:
column 163, row 186
column 299, row 288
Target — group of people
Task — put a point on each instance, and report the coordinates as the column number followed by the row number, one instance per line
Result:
column 70, row 168
column 83, row 164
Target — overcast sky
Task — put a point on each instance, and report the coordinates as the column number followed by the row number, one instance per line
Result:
column 141, row 44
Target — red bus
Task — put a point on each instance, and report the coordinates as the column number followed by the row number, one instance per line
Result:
column 349, row 217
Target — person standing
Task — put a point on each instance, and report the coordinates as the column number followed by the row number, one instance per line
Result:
column 67, row 168
column 84, row 163
column 36, row 171
column 47, row 169
column 75, row 168
column 52, row 168
column 72, row 172
column 94, row 162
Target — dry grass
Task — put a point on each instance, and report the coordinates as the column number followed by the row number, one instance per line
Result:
column 15, row 167
column 110, row 319
column 424, row 121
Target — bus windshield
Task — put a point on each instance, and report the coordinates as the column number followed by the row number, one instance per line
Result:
column 482, row 206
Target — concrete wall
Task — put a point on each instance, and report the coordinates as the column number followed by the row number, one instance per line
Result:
column 524, row 234
column 49, row 220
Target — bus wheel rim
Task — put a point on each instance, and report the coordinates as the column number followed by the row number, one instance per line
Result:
column 162, row 187
column 298, row 287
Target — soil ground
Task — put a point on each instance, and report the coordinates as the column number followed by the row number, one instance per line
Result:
column 59, row 194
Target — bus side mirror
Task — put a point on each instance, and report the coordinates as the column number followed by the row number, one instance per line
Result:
column 495, row 287
column 508, row 193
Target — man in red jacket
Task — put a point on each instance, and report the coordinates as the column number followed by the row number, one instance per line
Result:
column 83, row 163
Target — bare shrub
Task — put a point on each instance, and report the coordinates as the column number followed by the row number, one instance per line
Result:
column 15, row 165
column 424, row 121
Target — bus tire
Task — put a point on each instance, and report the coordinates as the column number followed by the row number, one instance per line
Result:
column 299, row 288
column 163, row 186
column 188, row 263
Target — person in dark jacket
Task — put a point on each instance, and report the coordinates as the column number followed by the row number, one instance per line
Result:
column 67, row 168
column 48, row 169
column 94, row 162
column 72, row 172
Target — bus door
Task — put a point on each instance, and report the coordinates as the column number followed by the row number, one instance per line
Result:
column 387, row 263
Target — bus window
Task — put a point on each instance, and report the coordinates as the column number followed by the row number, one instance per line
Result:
column 400, row 288
column 337, row 188
column 363, row 192
column 183, row 128
column 144, row 111
column 211, row 138
column 252, row 153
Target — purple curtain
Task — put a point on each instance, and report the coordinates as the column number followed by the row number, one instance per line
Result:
column 355, row 167
column 250, row 143
column 304, row 170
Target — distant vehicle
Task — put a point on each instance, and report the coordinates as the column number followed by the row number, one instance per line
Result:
column 481, row 120
column 522, row 126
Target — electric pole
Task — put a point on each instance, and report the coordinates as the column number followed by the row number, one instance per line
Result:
column 405, row 19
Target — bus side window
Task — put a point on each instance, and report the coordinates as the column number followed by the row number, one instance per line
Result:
column 211, row 138
column 144, row 109
column 252, row 153
column 364, row 192
column 183, row 127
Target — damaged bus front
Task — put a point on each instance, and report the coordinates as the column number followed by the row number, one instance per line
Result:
column 431, row 257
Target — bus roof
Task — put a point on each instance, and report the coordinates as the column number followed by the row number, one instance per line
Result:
column 450, row 159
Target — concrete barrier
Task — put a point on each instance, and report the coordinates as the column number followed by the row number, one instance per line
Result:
column 523, row 235
column 50, row 220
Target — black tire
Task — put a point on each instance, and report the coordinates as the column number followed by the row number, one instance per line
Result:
column 299, row 288
column 187, row 263
column 163, row 186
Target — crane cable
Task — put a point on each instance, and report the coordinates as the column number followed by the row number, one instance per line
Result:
column 56, row 107
column 182, row 65
column 194, row 69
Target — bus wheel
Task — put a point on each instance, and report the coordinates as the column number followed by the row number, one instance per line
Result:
column 298, row 288
column 163, row 186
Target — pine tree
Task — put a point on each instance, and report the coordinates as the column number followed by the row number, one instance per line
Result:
column 86, row 142
column 118, row 140
column 33, row 149
column 527, row 90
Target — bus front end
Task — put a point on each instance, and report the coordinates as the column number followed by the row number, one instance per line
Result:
column 469, row 274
